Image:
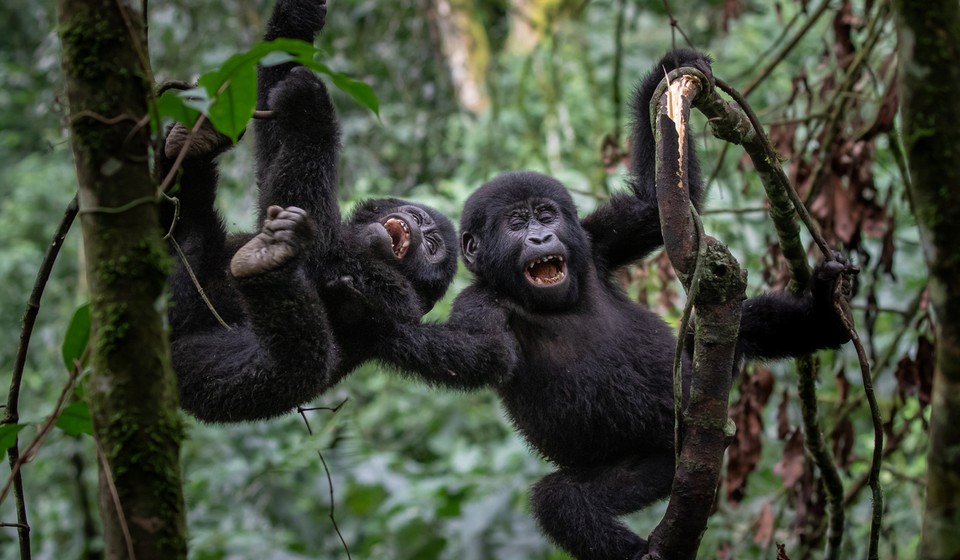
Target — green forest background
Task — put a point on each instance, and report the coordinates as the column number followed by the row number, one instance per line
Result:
column 418, row 473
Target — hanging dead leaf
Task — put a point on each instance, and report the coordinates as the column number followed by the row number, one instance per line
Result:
column 783, row 419
column 790, row 466
column 763, row 528
column 743, row 455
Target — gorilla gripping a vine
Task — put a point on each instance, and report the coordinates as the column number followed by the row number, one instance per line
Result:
column 301, row 300
column 588, row 383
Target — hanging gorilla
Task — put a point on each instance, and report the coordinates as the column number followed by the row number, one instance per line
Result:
column 305, row 297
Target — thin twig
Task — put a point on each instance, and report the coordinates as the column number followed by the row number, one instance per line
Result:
column 326, row 469
column 877, row 517
column 675, row 26
column 115, row 496
column 837, row 105
column 46, row 427
column 780, row 56
column 822, row 458
column 617, row 67
column 196, row 283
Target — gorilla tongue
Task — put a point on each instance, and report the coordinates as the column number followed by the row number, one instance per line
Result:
column 399, row 234
column 546, row 271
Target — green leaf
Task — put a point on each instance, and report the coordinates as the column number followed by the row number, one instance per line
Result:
column 77, row 337
column 75, row 419
column 8, row 435
column 305, row 53
column 233, row 95
column 178, row 105
column 229, row 94
column 360, row 91
column 275, row 58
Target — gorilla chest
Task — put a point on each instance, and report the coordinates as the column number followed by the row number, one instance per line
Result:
column 572, row 395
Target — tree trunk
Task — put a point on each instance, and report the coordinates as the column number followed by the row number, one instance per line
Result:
column 466, row 50
column 929, row 50
column 132, row 391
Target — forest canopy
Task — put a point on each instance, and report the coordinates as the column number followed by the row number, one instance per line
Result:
column 435, row 98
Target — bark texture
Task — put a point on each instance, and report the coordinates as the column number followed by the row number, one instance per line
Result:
column 929, row 35
column 132, row 391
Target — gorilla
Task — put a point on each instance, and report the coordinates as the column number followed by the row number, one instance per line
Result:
column 302, row 299
column 584, row 373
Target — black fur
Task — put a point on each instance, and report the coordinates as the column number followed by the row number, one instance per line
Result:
column 297, row 327
column 583, row 372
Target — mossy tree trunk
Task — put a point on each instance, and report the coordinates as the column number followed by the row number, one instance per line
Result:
column 132, row 391
column 929, row 33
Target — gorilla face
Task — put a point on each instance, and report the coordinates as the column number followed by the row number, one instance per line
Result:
column 521, row 234
column 417, row 239
column 413, row 232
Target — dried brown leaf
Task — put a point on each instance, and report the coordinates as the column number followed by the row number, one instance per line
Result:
column 790, row 467
column 763, row 529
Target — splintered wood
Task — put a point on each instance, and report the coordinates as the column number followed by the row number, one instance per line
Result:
column 679, row 90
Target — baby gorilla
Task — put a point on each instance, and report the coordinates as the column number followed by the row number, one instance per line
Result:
column 584, row 373
column 306, row 297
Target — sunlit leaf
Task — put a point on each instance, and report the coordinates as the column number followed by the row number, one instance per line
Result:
column 278, row 57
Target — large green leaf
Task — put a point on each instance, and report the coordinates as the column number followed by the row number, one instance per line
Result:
column 179, row 105
column 233, row 94
column 228, row 95
column 77, row 337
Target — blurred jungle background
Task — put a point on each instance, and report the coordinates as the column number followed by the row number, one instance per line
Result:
column 467, row 89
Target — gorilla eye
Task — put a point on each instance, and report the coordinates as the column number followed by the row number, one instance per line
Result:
column 518, row 219
column 432, row 244
column 417, row 218
column 546, row 214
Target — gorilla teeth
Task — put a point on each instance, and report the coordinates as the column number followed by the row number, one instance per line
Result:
column 546, row 271
column 399, row 233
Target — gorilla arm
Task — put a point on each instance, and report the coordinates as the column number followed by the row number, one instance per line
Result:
column 780, row 325
column 297, row 151
column 475, row 348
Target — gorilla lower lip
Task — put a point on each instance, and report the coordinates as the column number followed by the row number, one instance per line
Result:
column 399, row 233
column 546, row 271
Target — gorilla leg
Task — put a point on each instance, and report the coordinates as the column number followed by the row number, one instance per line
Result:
column 578, row 507
column 285, row 233
column 260, row 368
column 197, row 232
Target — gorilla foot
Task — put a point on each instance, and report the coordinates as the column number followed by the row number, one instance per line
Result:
column 285, row 233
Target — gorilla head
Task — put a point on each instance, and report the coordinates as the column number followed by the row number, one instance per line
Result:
column 420, row 240
column 520, row 233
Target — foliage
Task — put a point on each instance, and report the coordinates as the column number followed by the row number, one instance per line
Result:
column 419, row 473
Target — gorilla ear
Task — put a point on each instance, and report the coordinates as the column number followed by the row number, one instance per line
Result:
column 469, row 247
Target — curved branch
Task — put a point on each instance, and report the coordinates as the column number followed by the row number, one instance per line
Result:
column 718, row 299
column 12, row 415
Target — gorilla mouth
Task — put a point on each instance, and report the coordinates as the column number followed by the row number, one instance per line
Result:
column 546, row 271
column 399, row 233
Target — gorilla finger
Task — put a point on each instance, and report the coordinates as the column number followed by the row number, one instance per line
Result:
column 832, row 269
